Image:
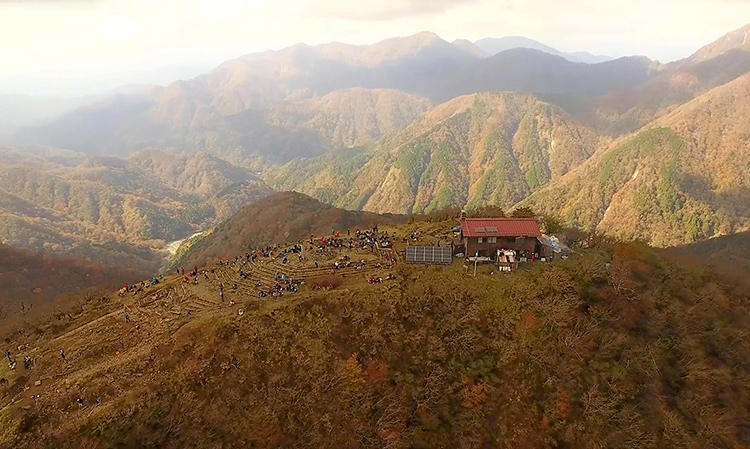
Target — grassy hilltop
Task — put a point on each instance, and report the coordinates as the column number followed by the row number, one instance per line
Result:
column 619, row 346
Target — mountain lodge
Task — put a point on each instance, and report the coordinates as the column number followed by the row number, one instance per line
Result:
column 486, row 236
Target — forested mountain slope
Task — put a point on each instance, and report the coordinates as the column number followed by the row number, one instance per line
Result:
column 476, row 150
column 117, row 211
column 682, row 179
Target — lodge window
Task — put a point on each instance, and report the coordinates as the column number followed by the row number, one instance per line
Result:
column 491, row 239
column 479, row 240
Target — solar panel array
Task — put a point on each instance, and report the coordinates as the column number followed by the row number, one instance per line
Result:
column 436, row 255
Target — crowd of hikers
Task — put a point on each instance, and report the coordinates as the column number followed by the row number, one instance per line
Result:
column 28, row 362
column 141, row 286
column 368, row 240
column 363, row 240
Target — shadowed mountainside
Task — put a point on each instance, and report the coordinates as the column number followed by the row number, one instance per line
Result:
column 29, row 279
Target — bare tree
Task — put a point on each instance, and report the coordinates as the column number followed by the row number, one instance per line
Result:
column 24, row 308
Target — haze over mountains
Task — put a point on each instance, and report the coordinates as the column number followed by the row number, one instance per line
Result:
column 219, row 112
column 407, row 125
column 493, row 46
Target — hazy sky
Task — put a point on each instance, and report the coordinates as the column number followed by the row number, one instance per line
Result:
column 76, row 46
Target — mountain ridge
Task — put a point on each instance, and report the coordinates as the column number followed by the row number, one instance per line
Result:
column 493, row 46
column 221, row 112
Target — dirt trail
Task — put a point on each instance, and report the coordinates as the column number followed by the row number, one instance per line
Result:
column 86, row 325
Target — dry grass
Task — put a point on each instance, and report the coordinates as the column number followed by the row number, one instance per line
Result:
column 617, row 347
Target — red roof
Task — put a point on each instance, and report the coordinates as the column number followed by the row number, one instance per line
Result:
column 500, row 227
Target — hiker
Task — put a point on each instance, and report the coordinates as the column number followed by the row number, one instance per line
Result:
column 221, row 294
column 127, row 318
column 316, row 264
column 80, row 402
column 7, row 354
column 62, row 353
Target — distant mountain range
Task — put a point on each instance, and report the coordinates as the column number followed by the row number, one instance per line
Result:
column 226, row 111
